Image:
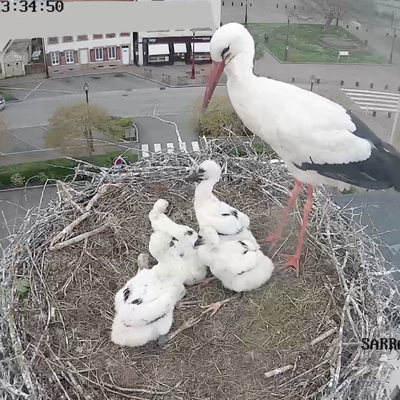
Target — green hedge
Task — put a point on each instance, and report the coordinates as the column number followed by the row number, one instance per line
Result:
column 54, row 169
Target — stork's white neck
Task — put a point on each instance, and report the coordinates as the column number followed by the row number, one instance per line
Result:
column 240, row 67
column 204, row 190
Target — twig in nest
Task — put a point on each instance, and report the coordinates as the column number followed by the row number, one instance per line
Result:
column 67, row 230
column 102, row 190
column 79, row 238
column 186, row 325
column 278, row 371
column 69, row 198
column 323, row 336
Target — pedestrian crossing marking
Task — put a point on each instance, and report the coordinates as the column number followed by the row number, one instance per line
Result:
column 374, row 101
column 183, row 146
column 195, row 146
column 145, row 150
column 158, row 147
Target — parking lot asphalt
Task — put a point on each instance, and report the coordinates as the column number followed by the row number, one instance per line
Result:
column 74, row 85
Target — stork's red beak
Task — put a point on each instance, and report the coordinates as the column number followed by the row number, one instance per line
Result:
column 216, row 72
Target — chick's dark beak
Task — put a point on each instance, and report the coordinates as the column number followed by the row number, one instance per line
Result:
column 171, row 243
column 195, row 177
column 198, row 242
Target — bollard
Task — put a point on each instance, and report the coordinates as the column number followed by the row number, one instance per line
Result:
column 318, row 81
column 386, row 87
column 357, row 84
column 389, row 114
column 232, row 2
column 241, row 4
column 371, row 85
column 293, row 79
column 294, row 7
column 374, row 113
column 341, row 83
column 347, row 26
column 277, row 6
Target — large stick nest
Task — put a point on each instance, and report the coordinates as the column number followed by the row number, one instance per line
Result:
column 56, row 337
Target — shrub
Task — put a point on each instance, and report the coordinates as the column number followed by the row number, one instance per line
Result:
column 219, row 118
column 42, row 177
column 17, row 179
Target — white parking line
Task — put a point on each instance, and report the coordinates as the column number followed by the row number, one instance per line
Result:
column 30, row 144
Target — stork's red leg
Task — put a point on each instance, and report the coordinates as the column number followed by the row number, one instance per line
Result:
column 274, row 238
column 293, row 260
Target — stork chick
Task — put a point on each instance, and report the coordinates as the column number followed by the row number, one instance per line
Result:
column 238, row 264
column 195, row 269
column 230, row 223
column 144, row 306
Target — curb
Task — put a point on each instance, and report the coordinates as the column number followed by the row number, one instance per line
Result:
column 27, row 187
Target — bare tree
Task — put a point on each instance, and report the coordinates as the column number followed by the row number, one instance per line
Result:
column 330, row 10
column 70, row 127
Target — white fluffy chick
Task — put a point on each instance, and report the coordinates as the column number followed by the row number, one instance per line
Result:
column 230, row 223
column 238, row 264
column 144, row 306
column 195, row 269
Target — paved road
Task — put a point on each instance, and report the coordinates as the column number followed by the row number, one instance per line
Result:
column 33, row 90
column 14, row 205
column 138, row 102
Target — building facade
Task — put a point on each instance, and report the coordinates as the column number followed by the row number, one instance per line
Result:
column 101, row 50
column 88, row 51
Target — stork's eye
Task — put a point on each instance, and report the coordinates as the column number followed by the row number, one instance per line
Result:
column 174, row 238
column 190, row 233
column 200, row 237
column 224, row 51
column 201, row 171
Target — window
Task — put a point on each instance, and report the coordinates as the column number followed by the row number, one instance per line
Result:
column 67, row 39
column 52, row 40
column 125, row 34
column 55, row 58
column 111, row 52
column 69, row 56
column 98, row 54
column 110, row 35
column 98, row 36
column 82, row 38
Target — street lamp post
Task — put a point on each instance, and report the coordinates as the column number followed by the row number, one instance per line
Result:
column 312, row 81
column 287, row 39
column 391, row 51
column 245, row 12
column 193, row 67
column 88, row 133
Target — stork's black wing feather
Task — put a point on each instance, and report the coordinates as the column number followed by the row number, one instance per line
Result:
column 380, row 171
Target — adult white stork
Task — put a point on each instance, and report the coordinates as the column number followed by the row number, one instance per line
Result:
column 320, row 141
